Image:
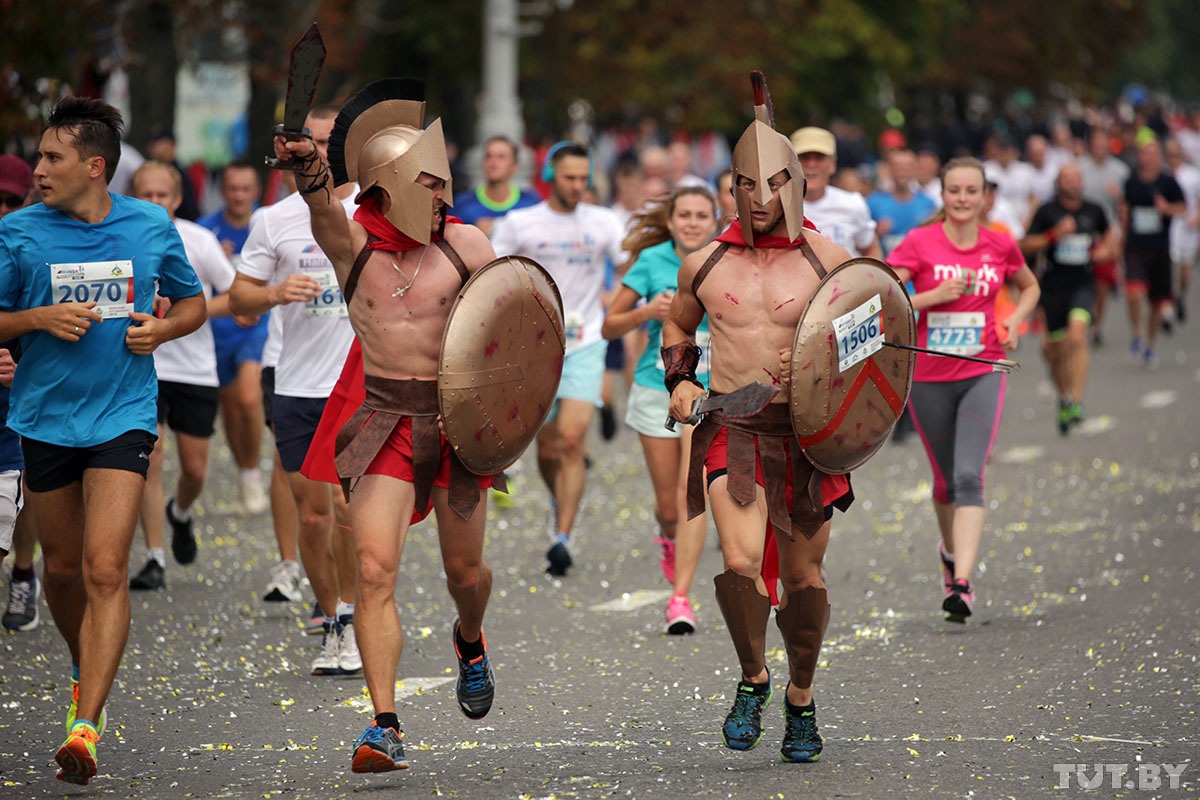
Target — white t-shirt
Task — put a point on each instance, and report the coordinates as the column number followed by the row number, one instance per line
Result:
column 575, row 249
column 191, row 359
column 274, row 344
column 844, row 218
column 317, row 334
column 1185, row 240
column 1015, row 183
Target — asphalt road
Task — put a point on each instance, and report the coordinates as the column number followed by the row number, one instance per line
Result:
column 1083, row 650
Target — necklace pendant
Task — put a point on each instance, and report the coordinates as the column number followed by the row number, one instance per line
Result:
column 400, row 292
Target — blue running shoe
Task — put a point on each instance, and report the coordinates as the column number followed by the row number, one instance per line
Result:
column 801, row 742
column 743, row 725
column 379, row 750
column 476, row 682
column 559, row 558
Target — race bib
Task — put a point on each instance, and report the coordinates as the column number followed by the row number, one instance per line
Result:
column 859, row 333
column 573, row 327
column 1145, row 220
column 329, row 303
column 1073, row 250
column 109, row 284
column 957, row 332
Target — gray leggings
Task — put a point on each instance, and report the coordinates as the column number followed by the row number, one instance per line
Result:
column 957, row 422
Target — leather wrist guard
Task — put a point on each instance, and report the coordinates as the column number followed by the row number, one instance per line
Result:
column 681, row 361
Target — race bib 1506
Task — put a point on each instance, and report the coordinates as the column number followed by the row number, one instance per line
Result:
column 859, row 333
column 109, row 284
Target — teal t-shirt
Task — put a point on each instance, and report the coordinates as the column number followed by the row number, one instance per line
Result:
column 80, row 394
column 657, row 270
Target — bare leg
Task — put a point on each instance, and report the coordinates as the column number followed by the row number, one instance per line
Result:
column 153, row 498
column 574, row 418
column 314, row 505
column 468, row 577
column 242, row 411
column 689, row 533
column 343, row 548
column 380, row 508
column 284, row 516
column 91, row 528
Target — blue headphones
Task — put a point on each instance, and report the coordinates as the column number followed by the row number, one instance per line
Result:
column 548, row 164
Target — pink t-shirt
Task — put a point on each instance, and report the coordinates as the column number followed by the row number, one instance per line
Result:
column 965, row 326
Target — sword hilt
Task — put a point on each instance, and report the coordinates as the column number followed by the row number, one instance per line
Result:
column 692, row 420
column 292, row 135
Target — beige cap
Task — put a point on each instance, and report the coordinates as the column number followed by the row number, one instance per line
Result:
column 814, row 140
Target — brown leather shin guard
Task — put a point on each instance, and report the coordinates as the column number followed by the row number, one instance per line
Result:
column 746, row 611
column 802, row 622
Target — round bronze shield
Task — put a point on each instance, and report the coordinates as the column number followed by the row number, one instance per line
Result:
column 848, row 387
column 501, row 360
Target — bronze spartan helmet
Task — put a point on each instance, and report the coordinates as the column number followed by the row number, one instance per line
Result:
column 760, row 153
column 379, row 141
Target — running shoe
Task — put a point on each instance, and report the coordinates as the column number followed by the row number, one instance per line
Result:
column 255, row 499
column 666, row 557
column 152, row 576
column 560, row 559
column 743, row 725
column 959, row 604
column 327, row 662
column 77, row 756
column 349, row 660
column 476, row 686
column 947, row 568
column 379, row 750
column 73, row 711
column 22, row 613
column 183, row 536
column 1076, row 413
column 801, row 742
column 284, row 586
column 1064, row 417
column 1148, row 359
column 316, row 620
column 608, row 423
column 680, row 617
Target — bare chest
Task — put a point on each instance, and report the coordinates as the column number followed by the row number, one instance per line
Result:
column 745, row 293
column 403, row 288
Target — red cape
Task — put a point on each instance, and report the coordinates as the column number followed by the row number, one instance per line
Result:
column 369, row 215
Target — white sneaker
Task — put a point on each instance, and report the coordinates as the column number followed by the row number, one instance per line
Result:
column 255, row 499
column 327, row 662
column 349, row 659
column 284, row 586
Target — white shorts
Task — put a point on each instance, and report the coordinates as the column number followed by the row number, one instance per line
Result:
column 646, row 412
column 11, row 501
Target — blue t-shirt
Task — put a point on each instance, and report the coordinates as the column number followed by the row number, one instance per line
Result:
column 80, row 394
column 220, row 226
column 904, row 215
column 474, row 205
column 226, row 332
column 655, row 271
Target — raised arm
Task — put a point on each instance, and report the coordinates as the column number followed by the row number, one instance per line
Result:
column 314, row 182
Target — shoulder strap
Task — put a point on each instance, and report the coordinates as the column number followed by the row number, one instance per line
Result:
column 357, row 268
column 455, row 259
column 707, row 268
column 811, row 255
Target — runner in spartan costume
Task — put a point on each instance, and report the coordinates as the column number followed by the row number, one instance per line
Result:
column 391, row 459
column 753, row 283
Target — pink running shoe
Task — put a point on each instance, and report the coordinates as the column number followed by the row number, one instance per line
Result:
column 667, row 557
column 680, row 617
column 959, row 605
column 947, row 568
